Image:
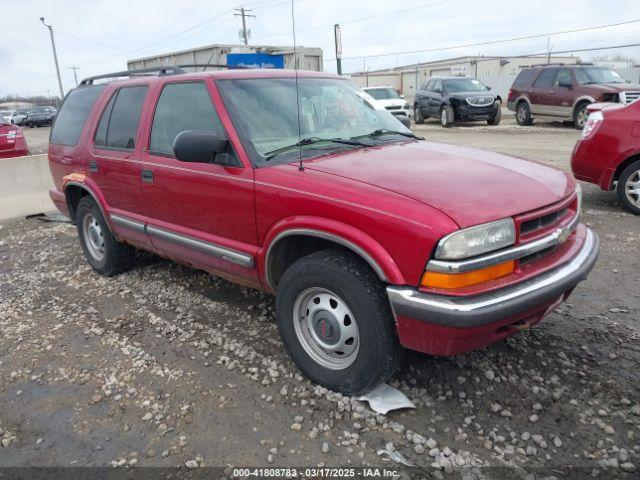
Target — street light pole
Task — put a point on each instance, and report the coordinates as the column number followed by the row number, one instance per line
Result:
column 75, row 75
column 55, row 56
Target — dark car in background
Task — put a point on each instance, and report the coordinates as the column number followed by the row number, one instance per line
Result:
column 454, row 99
column 564, row 92
column 40, row 117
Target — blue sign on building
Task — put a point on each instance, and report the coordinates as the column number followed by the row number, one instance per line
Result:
column 255, row 60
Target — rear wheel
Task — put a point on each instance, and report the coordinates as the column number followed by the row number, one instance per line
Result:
column 336, row 323
column 580, row 115
column 104, row 253
column 523, row 114
column 628, row 188
column 417, row 115
column 446, row 116
column 495, row 120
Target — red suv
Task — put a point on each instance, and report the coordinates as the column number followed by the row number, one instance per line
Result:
column 564, row 92
column 609, row 152
column 370, row 238
column 12, row 141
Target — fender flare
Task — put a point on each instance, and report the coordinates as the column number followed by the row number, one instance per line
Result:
column 362, row 244
column 80, row 180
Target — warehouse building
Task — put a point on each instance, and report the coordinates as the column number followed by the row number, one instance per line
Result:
column 237, row 56
column 497, row 72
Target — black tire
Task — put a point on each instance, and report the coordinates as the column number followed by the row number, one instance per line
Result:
column 495, row 120
column 631, row 172
column 580, row 115
column 523, row 114
column 417, row 115
column 446, row 116
column 117, row 257
column 351, row 281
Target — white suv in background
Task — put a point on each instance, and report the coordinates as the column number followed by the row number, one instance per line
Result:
column 13, row 116
column 391, row 100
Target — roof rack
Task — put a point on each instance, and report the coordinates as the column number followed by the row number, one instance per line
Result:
column 163, row 70
column 207, row 65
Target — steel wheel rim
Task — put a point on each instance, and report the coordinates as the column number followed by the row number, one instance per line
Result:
column 632, row 188
column 443, row 117
column 93, row 237
column 326, row 328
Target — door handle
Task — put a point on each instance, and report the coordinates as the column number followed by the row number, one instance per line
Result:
column 147, row 176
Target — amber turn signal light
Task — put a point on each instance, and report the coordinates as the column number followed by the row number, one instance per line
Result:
column 458, row 280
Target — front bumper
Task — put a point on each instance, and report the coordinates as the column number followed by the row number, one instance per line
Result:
column 464, row 111
column 486, row 313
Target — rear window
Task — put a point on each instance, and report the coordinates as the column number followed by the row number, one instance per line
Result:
column 524, row 78
column 73, row 115
column 118, row 126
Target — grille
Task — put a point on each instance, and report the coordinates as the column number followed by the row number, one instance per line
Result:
column 541, row 222
column 631, row 97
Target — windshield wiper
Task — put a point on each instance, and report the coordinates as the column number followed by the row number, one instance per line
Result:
column 311, row 141
column 385, row 131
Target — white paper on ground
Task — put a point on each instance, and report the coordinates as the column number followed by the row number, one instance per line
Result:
column 394, row 455
column 385, row 398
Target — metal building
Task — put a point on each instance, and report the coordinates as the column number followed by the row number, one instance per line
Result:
column 237, row 55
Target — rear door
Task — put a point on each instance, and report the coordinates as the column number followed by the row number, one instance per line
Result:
column 543, row 92
column 200, row 213
column 434, row 96
column 114, row 161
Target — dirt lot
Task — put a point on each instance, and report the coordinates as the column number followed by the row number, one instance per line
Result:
column 167, row 366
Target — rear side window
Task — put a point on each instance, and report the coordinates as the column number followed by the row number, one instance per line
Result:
column 182, row 106
column 546, row 77
column 73, row 114
column 118, row 125
column 524, row 78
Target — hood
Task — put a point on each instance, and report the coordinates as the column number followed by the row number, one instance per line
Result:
column 470, row 186
column 392, row 102
column 614, row 87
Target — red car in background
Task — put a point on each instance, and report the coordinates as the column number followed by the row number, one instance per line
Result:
column 12, row 141
column 609, row 152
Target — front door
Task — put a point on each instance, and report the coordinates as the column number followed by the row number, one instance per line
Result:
column 563, row 87
column 199, row 213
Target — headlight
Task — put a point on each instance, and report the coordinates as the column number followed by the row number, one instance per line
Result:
column 475, row 241
column 406, row 106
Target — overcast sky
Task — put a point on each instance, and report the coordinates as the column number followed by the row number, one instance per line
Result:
column 100, row 35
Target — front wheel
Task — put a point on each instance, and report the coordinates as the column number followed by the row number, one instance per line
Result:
column 417, row 115
column 580, row 116
column 336, row 323
column 628, row 188
column 446, row 116
column 495, row 120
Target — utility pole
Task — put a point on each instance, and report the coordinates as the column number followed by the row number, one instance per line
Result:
column 338, row 40
column 548, row 50
column 243, row 13
column 75, row 75
column 55, row 56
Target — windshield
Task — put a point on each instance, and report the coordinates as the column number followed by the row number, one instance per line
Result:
column 264, row 113
column 464, row 85
column 586, row 76
column 382, row 93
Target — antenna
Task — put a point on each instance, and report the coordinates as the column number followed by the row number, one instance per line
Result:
column 295, row 59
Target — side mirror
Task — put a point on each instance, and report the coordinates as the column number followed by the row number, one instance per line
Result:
column 565, row 84
column 202, row 147
column 437, row 90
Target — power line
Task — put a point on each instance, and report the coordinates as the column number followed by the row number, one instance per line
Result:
column 90, row 42
column 355, row 20
column 467, row 45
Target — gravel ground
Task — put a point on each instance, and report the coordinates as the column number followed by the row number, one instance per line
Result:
column 167, row 366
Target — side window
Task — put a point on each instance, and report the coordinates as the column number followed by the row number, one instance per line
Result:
column 546, row 77
column 182, row 106
column 118, row 125
column 523, row 78
column 73, row 115
column 563, row 78
column 437, row 86
column 426, row 85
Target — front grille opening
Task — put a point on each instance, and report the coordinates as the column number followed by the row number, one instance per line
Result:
column 535, row 256
column 541, row 222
